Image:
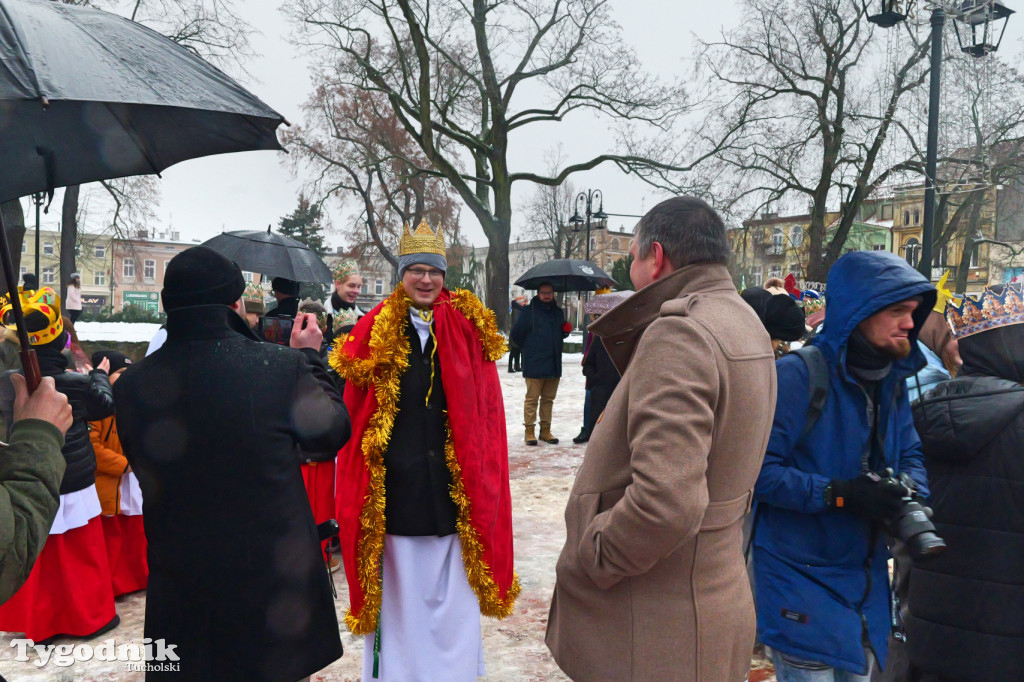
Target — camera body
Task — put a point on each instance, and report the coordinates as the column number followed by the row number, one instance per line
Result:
column 912, row 525
column 275, row 329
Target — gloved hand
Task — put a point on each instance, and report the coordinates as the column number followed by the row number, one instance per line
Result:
column 869, row 496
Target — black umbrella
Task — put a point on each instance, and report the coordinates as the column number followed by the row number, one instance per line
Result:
column 86, row 95
column 271, row 254
column 566, row 274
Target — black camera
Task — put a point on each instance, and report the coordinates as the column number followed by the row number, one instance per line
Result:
column 275, row 329
column 913, row 525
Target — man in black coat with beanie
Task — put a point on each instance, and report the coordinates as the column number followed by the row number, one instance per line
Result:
column 211, row 424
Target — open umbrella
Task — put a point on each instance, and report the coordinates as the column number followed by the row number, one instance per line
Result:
column 86, row 95
column 566, row 274
column 271, row 254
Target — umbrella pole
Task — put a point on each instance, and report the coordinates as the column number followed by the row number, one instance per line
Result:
column 29, row 361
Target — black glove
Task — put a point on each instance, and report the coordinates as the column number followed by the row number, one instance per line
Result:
column 869, row 496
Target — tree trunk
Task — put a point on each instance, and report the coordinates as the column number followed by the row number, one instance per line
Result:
column 68, row 237
column 14, row 222
column 964, row 268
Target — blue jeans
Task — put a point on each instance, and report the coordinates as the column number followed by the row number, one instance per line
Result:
column 789, row 668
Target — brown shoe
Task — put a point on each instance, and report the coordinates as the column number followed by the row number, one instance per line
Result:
column 545, row 434
column 530, row 438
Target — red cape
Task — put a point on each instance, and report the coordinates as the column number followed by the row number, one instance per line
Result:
column 370, row 359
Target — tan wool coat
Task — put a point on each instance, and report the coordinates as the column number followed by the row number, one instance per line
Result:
column 651, row 583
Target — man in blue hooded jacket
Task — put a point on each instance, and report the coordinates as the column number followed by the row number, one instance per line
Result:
column 820, row 556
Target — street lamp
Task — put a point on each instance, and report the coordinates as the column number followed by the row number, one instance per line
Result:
column 889, row 13
column 588, row 199
column 37, row 199
column 976, row 14
column 982, row 17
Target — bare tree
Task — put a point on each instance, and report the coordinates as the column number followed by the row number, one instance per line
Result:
column 817, row 112
column 464, row 79
column 352, row 147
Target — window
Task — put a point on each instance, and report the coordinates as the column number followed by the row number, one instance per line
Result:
column 99, row 278
column 365, row 288
column 917, row 217
column 794, row 268
column 24, row 269
column 940, row 259
column 912, row 252
column 246, row 275
column 378, row 286
column 886, row 212
column 99, row 251
column 775, row 271
column 149, row 270
column 796, row 235
column 878, row 247
column 906, row 217
column 755, row 276
column 778, row 239
column 128, row 270
column 48, row 248
column 24, row 246
column 48, row 276
column 974, row 257
column 614, row 246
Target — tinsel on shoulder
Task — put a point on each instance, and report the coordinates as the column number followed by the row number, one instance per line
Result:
column 386, row 358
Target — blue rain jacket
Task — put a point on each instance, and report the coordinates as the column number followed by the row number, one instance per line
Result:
column 821, row 574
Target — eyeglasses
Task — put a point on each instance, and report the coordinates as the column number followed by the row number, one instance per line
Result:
column 420, row 273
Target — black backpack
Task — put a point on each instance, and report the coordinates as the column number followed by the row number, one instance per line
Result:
column 817, row 384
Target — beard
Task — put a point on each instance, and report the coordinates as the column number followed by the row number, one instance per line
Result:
column 900, row 350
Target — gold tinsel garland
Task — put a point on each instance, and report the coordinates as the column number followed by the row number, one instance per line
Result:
column 388, row 358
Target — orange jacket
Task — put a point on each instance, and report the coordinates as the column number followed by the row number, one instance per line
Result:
column 110, row 464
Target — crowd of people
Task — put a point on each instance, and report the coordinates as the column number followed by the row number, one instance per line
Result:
column 747, row 476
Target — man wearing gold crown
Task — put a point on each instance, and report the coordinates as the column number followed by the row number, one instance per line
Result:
column 423, row 493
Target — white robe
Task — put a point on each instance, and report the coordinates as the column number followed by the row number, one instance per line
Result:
column 430, row 616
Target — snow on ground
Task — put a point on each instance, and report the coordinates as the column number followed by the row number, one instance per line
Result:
column 116, row 331
column 514, row 648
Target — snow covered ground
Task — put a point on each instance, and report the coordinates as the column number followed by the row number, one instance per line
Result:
column 116, row 331
column 514, row 648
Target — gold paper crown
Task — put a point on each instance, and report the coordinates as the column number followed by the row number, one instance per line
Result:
column 44, row 301
column 423, row 240
column 988, row 311
column 253, row 293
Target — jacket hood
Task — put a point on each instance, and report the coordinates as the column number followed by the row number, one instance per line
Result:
column 994, row 353
column 959, row 418
column 860, row 284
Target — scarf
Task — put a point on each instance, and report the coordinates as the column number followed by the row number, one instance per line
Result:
column 865, row 362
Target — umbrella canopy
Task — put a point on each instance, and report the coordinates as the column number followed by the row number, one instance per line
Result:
column 566, row 274
column 87, row 95
column 271, row 254
column 602, row 303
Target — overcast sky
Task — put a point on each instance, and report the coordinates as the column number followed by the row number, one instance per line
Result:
column 249, row 191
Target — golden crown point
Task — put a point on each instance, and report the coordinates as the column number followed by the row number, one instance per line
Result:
column 988, row 311
column 44, row 301
column 423, row 240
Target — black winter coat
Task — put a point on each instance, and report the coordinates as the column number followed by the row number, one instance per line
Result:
column 966, row 607
column 538, row 332
column 211, row 424
column 602, row 377
column 91, row 399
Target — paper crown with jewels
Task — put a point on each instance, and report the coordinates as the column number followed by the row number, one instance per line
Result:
column 423, row 240
column 988, row 311
column 44, row 301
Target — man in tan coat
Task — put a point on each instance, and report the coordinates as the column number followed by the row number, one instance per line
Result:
column 651, row 583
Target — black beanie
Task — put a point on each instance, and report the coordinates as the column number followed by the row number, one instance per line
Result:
column 285, row 286
column 781, row 316
column 201, row 276
column 117, row 360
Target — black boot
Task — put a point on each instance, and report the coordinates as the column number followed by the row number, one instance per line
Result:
column 583, row 437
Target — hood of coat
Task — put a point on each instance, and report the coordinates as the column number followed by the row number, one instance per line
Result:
column 959, row 418
column 860, row 284
column 621, row 327
column 994, row 353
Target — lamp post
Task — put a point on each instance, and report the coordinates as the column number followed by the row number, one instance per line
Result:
column 588, row 199
column 37, row 199
column 980, row 16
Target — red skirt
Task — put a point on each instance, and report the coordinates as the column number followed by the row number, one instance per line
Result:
column 68, row 591
column 319, row 480
column 126, row 553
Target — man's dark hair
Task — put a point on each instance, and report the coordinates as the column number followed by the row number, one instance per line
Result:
column 687, row 228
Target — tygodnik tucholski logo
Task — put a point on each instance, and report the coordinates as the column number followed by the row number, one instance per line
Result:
column 150, row 656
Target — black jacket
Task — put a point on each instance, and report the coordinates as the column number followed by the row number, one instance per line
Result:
column 91, row 399
column 287, row 307
column 966, row 607
column 416, row 478
column 211, row 424
column 602, row 377
column 538, row 332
